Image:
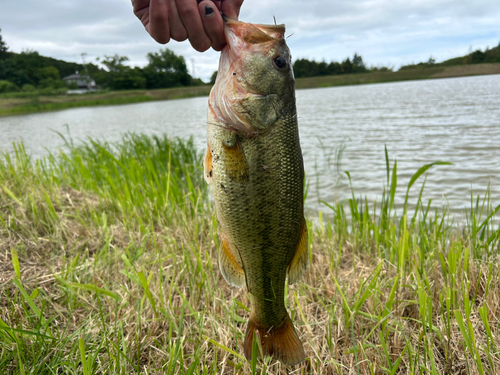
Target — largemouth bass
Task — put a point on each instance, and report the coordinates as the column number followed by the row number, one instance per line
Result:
column 255, row 168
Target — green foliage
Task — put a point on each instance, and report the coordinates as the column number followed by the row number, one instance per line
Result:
column 3, row 46
column 109, row 258
column 307, row 68
column 51, row 83
column 115, row 63
column 213, row 78
column 421, row 65
column 27, row 88
column 6, row 86
column 474, row 57
column 166, row 69
column 128, row 79
column 28, row 67
column 48, row 72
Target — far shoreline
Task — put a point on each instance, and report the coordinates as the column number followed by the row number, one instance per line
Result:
column 19, row 106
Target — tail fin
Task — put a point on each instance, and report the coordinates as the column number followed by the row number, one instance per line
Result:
column 280, row 342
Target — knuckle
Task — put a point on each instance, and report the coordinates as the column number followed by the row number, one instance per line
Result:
column 178, row 35
column 162, row 39
column 159, row 16
column 218, row 47
column 201, row 46
column 188, row 11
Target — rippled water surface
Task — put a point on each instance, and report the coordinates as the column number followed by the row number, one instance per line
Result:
column 455, row 120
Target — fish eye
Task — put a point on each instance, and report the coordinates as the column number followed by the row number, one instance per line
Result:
column 280, row 62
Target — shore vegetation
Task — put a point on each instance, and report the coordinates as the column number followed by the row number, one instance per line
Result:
column 108, row 266
column 32, row 102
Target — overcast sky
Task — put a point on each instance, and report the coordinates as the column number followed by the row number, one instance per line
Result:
column 383, row 32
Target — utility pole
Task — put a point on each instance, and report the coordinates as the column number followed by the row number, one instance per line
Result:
column 83, row 54
column 192, row 62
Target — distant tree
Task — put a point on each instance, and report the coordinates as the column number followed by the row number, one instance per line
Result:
column 6, row 86
column 47, row 72
column 305, row 68
column 114, row 63
column 129, row 79
column 121, row 76
column 322, row 68
column 358, row 66
column 97, row 73
column 213, row 78
column 357, row 61
column 334, row 68
column 21, row 68
column 3, row 46
column 346, row 66
column 477, row 57
column 431, row 61
column 166, row 69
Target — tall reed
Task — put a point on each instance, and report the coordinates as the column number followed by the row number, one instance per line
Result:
column 108, row 265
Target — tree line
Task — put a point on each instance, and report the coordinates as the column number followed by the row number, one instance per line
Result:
column 307, row 68
column 488, row 56
column 28, row 71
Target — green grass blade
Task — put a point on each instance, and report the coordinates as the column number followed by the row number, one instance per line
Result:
column 15, row 262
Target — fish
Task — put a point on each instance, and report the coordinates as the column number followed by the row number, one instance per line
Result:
column 255, row 169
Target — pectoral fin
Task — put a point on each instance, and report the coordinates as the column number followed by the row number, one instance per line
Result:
column 229, row 267
column 235, row 161
column 298, row 264
column 207, row 166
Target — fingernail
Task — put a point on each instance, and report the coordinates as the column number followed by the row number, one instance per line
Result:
column 208, row 10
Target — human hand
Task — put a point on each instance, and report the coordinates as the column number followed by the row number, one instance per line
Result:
column 199, row 21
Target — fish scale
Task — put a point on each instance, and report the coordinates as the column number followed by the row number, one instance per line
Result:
column 255, row 168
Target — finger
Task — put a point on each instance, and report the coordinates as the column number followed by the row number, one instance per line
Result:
column 141, row 10
column 177, row 30
column 158, row 21
column 190, row 16
column 212, row 23
column 217, row 4
column 231, row 8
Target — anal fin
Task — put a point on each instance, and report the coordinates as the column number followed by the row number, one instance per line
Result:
column 207, row 166
column 298, row 264
column 229, row 267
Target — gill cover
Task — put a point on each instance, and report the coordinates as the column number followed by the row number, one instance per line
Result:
column 248, row 96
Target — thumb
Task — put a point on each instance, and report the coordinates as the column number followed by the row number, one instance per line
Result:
column 231, row 8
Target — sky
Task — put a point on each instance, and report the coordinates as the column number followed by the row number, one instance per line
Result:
column 384, row 32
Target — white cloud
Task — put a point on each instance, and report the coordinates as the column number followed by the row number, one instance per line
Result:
column 383, row 31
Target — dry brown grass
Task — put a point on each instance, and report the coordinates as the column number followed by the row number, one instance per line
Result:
column 136, row 292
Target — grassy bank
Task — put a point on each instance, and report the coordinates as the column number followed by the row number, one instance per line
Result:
column 11, row 104
column 108, row 265
column 404, row 75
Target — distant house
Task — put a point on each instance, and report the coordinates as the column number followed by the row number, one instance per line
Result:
column 82, row 81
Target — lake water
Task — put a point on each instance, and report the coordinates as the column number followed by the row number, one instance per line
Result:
column 455, row 120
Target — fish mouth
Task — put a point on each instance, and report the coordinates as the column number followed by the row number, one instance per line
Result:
column 251, row 33
column 236, row 97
